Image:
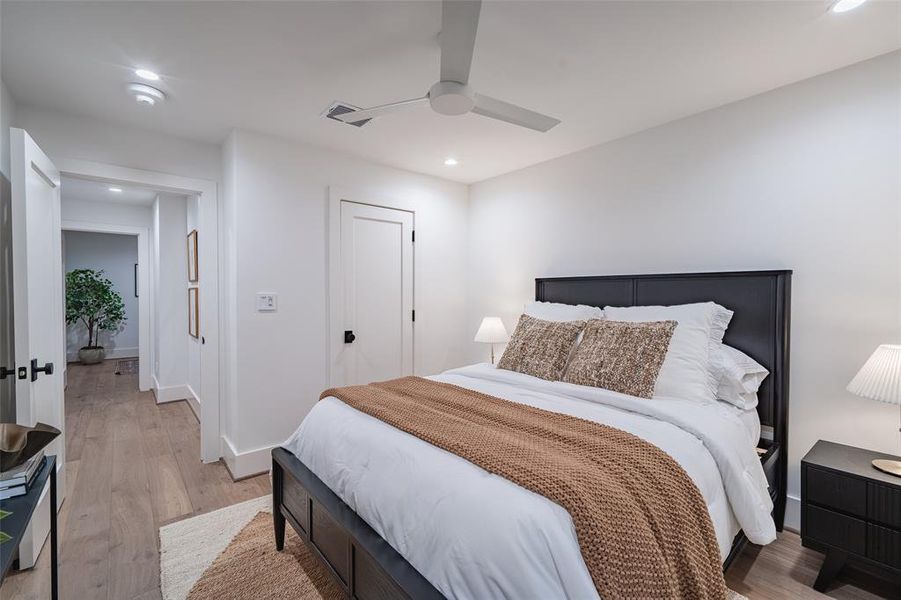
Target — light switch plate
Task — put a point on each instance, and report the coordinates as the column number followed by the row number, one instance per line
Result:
column 267, row 302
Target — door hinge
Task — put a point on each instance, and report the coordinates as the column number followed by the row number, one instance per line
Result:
column 413, row 237
column 414, row 316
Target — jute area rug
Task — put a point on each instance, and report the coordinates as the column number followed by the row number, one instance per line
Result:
column 229, row 554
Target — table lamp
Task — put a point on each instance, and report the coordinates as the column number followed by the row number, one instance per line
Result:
column 492, row 331
column 880, row 379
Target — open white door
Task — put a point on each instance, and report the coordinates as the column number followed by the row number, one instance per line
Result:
column 38, row 309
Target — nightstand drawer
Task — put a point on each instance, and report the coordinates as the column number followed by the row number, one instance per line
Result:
column 835, row 529
column 884, row 545
column 884, row 504
column 847, row 494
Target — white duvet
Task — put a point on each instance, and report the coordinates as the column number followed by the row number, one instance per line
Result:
column 477, row 535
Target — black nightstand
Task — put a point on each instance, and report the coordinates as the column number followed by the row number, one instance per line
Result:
column 849, row 510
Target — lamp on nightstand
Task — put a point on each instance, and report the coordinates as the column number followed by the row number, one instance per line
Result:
column 492, row 331
column 880, row 379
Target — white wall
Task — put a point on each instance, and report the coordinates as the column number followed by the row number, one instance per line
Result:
column 166, row 223
column 276, row 197
column 116, row 256
column 89, row 215
column 66, row 136
column 804, row 177
column 170, row 276
column 110, row 213
column 7, row 119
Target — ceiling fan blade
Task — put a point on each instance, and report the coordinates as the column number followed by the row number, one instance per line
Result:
column 378, row 111
column 504, row 111
column 459, row 22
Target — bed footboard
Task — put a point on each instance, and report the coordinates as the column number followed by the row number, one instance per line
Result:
column 359, row 559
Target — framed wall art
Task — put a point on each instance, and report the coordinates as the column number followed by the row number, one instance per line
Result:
column 194, row 311
column 193, row 273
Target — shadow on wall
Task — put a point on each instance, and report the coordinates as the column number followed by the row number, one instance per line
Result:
column 77, row 337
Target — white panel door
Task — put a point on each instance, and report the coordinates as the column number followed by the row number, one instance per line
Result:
column 38, row 307
column 377, row 273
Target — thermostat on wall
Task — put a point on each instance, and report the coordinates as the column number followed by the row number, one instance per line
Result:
column 267, row 302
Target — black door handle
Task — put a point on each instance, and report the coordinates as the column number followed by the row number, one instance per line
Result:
column 47, row 369
column 4, row 372
column 349, row 337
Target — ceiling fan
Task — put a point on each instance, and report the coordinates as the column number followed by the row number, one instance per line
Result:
column 452, row 94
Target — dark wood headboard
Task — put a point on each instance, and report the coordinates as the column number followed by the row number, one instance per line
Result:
column 760, row 327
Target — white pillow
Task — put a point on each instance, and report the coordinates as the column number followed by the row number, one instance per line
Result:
column 740, row 377
column 552, row 311
column 686, row 371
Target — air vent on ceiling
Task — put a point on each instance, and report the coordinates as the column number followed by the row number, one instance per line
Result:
column 340, row 108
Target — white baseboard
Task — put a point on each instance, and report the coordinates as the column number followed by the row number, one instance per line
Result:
column 171, row 393
column 111, row 354
column 193, row 401
column 246, row 464
column 793, row 514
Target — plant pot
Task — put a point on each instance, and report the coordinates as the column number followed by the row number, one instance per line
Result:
column 91, row 356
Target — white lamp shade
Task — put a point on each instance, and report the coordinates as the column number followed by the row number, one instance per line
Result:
column 492, row 331
column 880, row 377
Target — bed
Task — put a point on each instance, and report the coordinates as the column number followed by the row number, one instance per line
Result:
column 342, row 481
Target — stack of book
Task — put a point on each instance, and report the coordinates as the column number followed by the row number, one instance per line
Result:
column 17, row 481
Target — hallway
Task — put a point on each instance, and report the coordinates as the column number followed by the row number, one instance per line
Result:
column 133, row 465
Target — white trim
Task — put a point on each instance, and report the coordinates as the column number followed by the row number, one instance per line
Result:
column 246, row 464
column 210, row 275
column 110, row 354
column 145, row 301
column 193, row 401
column 117, row 353
column 170, row 393
column 333, row 290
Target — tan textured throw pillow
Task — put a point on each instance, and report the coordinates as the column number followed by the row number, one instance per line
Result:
column 540, row 348
column 621, row 356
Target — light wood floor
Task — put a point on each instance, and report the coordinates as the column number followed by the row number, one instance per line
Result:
column 785, row 569
column 133, row 465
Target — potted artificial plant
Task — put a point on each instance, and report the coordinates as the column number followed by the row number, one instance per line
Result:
column 92, row 301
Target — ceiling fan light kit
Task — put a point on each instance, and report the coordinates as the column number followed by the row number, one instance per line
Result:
column 146, row 94
column 451, row 98
column 452, row 95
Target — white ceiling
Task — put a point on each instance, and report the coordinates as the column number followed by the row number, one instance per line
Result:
column 72, row 188
column 606, row 69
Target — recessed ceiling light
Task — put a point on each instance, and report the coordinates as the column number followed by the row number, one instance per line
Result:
column 116, row 190
column 147, row 74
column 146, row 94
column 450, row 162
column 846, row 5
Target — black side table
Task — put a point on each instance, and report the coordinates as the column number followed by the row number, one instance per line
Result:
column 22, row 509
column 850, row 510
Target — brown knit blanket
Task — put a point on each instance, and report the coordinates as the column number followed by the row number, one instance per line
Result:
column 642, row 525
